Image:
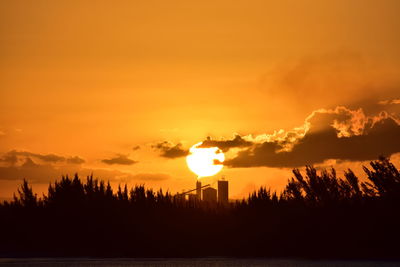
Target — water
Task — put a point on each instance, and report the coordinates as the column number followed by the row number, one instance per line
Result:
column 197, row 262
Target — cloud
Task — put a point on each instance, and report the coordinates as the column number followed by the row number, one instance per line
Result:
column 135, row 148
column 120, row 159
column 339, row 133
column 75, row 160
column 15, row 166
column 9, row 158
column 324, row 80
column 44, row 173
column 13, row 156
column 217, row 162
column 38, row 168
column 151, row 176
column 225, row 145
column 171, row 151
column 43, row 157
column 36, row 173
column 389, row 102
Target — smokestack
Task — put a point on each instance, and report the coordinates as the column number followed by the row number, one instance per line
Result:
column 198, row 190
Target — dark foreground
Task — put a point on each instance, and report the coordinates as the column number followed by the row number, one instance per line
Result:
column 318, row 216
column 220, row 262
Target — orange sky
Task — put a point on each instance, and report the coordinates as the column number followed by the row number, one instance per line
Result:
column 96, row 79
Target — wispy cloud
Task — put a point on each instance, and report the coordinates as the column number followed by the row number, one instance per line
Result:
column 120, row 159
column 151, row 176
column 13, row 156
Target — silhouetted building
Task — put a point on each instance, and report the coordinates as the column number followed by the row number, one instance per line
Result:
column 180, row 197
column 223, row 192
column 210, row 194
column 193, row 197
column 198, row 190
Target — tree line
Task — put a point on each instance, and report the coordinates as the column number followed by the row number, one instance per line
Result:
column 318, row 215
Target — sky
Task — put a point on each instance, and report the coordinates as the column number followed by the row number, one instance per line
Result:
column 122, row 89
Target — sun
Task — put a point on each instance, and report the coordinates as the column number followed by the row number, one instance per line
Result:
column 205, row 161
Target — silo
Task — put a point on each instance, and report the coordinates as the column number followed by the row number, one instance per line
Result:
column 223, row 192
column 198, row 190
column 210, row 194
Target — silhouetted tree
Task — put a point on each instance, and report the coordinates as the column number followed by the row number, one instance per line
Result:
column 26, row 196
column 317, row 215
column 384, row 179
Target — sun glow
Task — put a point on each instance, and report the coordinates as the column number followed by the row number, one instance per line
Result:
column 205, row 161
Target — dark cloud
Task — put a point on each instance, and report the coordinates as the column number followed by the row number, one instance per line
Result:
column 225, row 145
column 44, row 157
column 44, row 173
column 35, row 173
column 75, row 160
column 120, row 159
column 13, row 156
column 135, row 148
column 171, row 151
column 38, row 168
column 328, row 134
column 9, row 158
